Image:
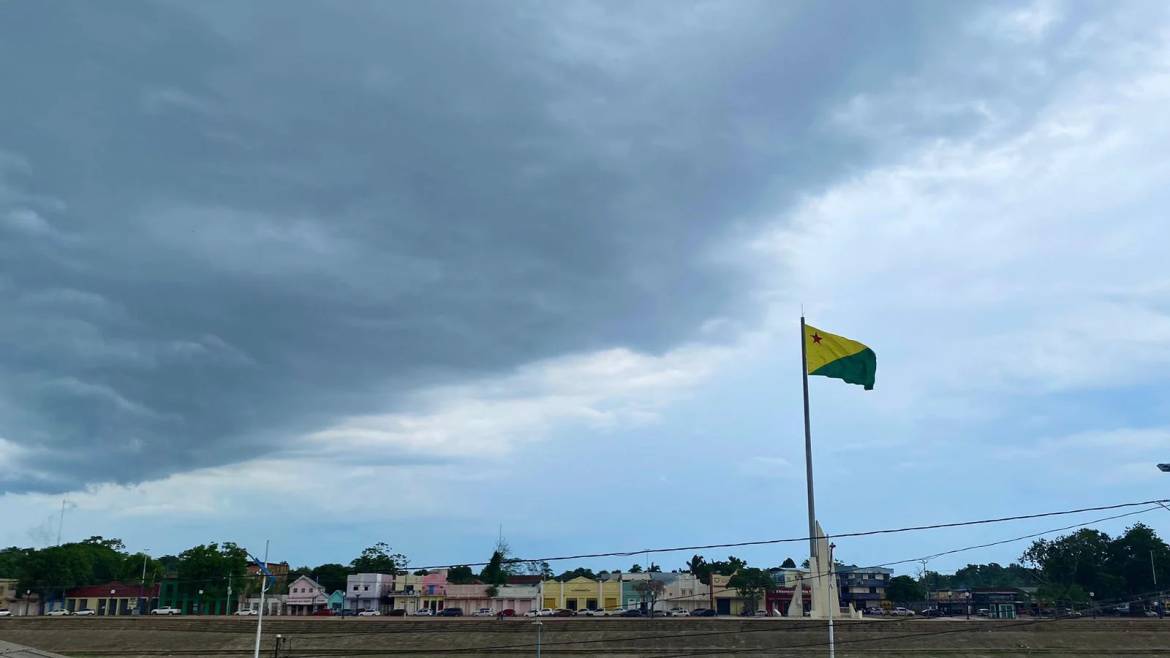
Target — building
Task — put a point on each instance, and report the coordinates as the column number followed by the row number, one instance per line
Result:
column 111, row 599
column 581, row 593
column 17, row 603
column 864, row 587
column 725, row 599
column 306, row 596
column 683, row 590
column 368, row 591
column 432, row 590
column 999, row 603
column 274, row 605
column 471, row 598
column 337, row 602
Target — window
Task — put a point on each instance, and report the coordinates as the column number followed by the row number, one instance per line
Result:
column 365, row 588
column 355, row 588
column 590, row 604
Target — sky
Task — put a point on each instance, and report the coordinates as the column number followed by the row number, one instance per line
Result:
column 329, row 274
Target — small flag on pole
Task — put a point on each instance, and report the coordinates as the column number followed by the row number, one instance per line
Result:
column 838, row 357
column 269, row 578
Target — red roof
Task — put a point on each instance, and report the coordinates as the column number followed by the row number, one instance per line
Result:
column 121, row 591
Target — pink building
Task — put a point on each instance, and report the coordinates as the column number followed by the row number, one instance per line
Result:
column 306, row 596
column 472, row 598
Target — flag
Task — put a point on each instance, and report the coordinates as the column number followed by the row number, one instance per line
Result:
column 838, row 357
column 269, row 578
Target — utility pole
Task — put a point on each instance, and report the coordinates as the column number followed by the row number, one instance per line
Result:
column 538, row 626
column 1153, row 571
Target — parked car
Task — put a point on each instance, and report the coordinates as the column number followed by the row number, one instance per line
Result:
column 485, row 612
column 932, row 612
column 166, row 611
column 369, row 613
column 323, row 612
column 982, row 612
column 563, row 612
column 5, row 612
column 397, row 612
column 543, row 612
column 902, row 612
column 678, row 612
column 248, row 612
column 703, row 612
column 345, row 612
column 508, row 612
column 590, row 612
column 424, row 612
column 632, row 612
column 58, row 613
column 450, row 612
column 876, row 612
column 88, row 612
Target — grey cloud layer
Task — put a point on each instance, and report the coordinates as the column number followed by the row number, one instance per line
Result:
column 227, row 226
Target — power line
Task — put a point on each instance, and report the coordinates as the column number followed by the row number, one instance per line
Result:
column 765, row 542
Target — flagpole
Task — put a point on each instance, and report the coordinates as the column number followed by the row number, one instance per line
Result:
column 812, row 514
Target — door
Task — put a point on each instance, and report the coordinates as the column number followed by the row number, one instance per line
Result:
column 723, row 606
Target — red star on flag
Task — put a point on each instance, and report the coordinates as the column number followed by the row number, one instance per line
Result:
column 816, row 337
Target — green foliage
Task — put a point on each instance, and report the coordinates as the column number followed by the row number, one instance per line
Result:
column 331, row 576
column 637, row 568
column 1095, row 562
column 751, row 584
column 460, row 575
column 535, row 568
column 579, row 572
column 492, row 591
column 421, row 572
column 379, row 559
column 49, row 571
column 653, row 568
column 986, row 575
column 703, row 569
column 207, row 567
column 494, row 573
column 788, row 564
column 904, row 589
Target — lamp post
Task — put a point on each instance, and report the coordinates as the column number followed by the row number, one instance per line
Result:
column 199, row 603
column 142, row 584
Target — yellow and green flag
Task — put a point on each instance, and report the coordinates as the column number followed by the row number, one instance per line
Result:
column 838, row 357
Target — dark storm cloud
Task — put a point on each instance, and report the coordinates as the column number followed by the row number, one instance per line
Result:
column 223, row 227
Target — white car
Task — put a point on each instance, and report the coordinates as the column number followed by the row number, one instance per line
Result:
column 590, row 613
column 424, row 612
column 902, row 612
column 5, row 612
column 245, row 612
column 58, row 613
column 678, row 612
column 166, row 611
column 369, row 613
column 85, row 613
column 543, row 612
column 484, row 612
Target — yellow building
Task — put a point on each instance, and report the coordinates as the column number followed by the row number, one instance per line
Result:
column 581, row 594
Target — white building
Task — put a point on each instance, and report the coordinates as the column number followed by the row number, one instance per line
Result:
column 367, row 591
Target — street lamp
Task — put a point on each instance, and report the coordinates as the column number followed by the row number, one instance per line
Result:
column 142, row 584
column 199, row 603
column 113, row 604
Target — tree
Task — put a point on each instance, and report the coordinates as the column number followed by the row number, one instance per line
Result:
column 649, row 591
column 788, row 564
column 421, row 572
column 637, row 568
column 1081, row 558
column 379, row 559
column 903, row 589
column 331, row 576
column 494, row 573
column 698, row 566
column 752, row 585
column 536, row 568
column 653, row 568
column 207, row 567
column 579, row 572
column 460, row 575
